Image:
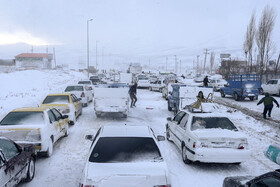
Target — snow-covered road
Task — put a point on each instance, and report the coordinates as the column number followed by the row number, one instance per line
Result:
column 65, row 166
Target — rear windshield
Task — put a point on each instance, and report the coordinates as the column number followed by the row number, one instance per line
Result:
column 56, row 99
column 74, row 88
column 23, row 118
column 124, row 149
column 84, row 82
column 143, row 78
column 212, row 123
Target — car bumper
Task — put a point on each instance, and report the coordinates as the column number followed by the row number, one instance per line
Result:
column 219, row 155
column 37, row 145
column 112, row 109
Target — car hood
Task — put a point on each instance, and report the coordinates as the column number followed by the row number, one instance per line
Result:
column 140, row 173
column 218, row 133
column 237, row 180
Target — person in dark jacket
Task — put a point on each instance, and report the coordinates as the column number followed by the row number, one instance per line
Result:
column 132, row 94
column 268, row 104
column 205, row 81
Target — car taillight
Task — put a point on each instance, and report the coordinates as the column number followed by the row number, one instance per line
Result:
column 194, row 144
column 65, row 111
column 87, row 185
column 165, row 185
column 83, row 94
column 241, row 146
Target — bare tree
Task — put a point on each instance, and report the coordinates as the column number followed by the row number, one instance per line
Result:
column 277, row 64
column 270, row 51
column 263, row 34
column 212, row 60
column 249, row 40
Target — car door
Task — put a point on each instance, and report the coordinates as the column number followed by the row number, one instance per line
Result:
column 181, row 128
column 13, row 169
column 4, row 176
column 76, row 104
column 173, row 126
column 53, row 126
column 61, row 122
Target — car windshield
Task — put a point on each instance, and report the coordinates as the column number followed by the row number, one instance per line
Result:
column 56, row 99
column 124, row 149
column 74, row 88
column 84, row 82
column 143, row 78
column 212, row 123
column 23, row 118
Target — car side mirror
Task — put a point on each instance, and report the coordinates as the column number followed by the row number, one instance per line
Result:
column 80, row 99
column 169, row 119
column 89, row 137
column 65, row 116
column 20, row 148
column 160, row 138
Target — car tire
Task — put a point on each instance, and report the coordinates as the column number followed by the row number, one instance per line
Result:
column 252, row 98
column 31, row 170
column 236, row 97
column 67, row 131
column 150, row 88
column 222, row 93
column 160, row 90
column 50, row 148
column 184, row 155
column 168, row 134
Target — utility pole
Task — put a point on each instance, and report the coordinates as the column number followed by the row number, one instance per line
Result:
column 197, row 65
column 166, row 64
column 96, row 54
column 176, row 68
column 54, row 58
column 88, row 46
column 206, row 52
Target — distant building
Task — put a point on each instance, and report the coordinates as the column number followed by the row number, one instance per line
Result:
column 229, row 67
column 7, row 62
column 34, row 60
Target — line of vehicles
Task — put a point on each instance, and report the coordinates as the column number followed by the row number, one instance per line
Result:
column 126, row 154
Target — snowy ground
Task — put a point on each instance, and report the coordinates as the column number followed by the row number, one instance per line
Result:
column 64, row 168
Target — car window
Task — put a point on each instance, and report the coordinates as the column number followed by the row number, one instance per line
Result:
column 183, row 122
column 266, row 182
column 270, row 82
column 56, row 99
column 74, row 88
column 23, row 118
column 124, row 149
column 51, row 116
column 75, row 97
column 9, row 149
column 57, row 114
column 212, row 123
column 84, row 82
column 179, row 116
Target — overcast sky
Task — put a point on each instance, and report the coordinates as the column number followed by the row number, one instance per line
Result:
column 128, row 30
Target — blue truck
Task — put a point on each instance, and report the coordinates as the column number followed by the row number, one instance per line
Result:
column 174, row 97
column 242, row 86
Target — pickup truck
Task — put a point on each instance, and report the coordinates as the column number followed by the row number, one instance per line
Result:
column 111, row 98
column 242, row 86
column 272, row 86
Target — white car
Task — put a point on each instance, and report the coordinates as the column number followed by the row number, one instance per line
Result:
column 40, row 126
column 124, row 156
column 156, row 85
column 143, row 81
column 217, row 84
column 81, row 91
column 207, row 137
column 88, row 83
column 272, row 87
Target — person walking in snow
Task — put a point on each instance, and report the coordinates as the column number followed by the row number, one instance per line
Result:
column 268, row 104
column 132, row 94
column 205, row 81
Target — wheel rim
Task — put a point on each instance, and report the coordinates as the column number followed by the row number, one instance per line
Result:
column 31, row 168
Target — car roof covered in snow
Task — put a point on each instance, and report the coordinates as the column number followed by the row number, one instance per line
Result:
column 31, row 109
column 66, row 93
column 125, row 131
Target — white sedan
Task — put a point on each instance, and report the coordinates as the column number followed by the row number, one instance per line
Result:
column 125, row 156
column 217, row 84
column 207, row 137
column 81, row 91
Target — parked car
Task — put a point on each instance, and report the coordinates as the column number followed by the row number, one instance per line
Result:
column 272, row 87
column 207, row 137
column 143, row 81
column 95, row 79
column 66, row 103
column 270, row 179
column 17, row 163
column 242, row 86
column 217, row 84
column 81, row 91
column 89, row 84
column 39, row 126
column 111, row 98
column 123, row 155
column 156, row 85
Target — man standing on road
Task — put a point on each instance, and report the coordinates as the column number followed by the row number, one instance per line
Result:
column 205, row 81
column 132, row 94
column 268, row 104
